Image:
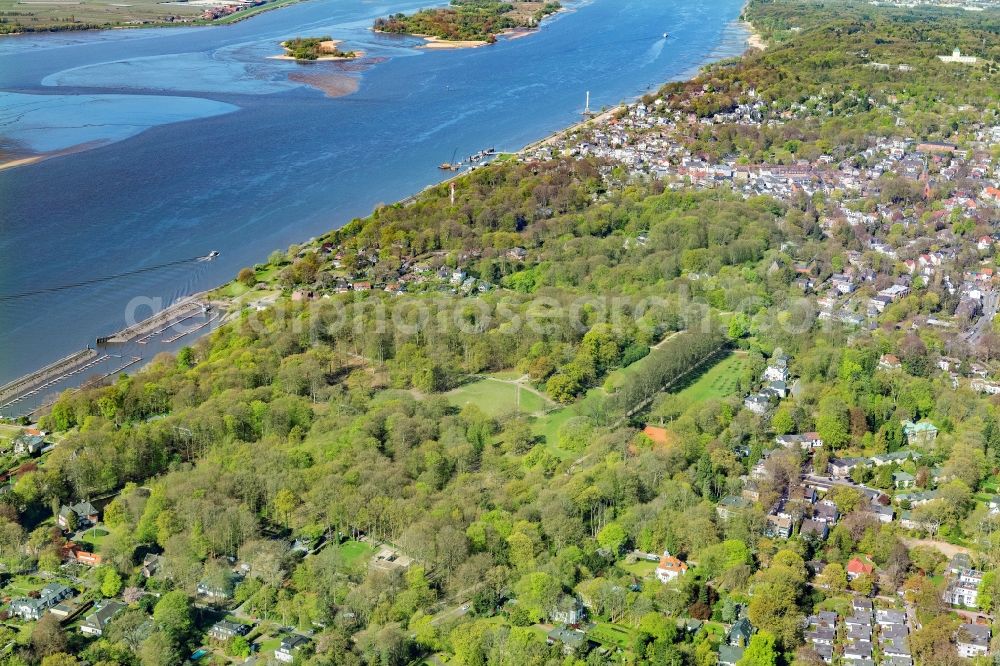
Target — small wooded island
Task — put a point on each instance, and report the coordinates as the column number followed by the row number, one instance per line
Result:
column 468, row 22
column 316, row 48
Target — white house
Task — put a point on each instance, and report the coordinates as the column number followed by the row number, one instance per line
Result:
column 670, row 568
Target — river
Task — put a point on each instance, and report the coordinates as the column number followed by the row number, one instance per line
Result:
column 185, row 140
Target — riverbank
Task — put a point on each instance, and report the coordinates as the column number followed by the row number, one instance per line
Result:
column 334, row 163
column 132, row 17
column 435, row 43
column 755, row 40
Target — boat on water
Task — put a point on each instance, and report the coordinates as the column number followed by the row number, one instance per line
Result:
column 665, row 35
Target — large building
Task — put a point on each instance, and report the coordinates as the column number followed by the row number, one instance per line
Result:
column 964, row 589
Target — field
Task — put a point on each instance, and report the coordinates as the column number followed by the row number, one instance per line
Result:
column 40, row 14
column 547, row 427
column 20, row 586
column 718, row 381
column 640, row 568
column 496, row 398
column 78, row 14
column 8, row 433
column 610, row 635
column 94, row 536
column 355, row 552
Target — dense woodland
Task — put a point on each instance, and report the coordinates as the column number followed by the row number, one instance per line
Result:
column 474, row 20
column 330, row 419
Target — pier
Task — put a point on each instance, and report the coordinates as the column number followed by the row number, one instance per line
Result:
column 156, row 324
column 34, row 383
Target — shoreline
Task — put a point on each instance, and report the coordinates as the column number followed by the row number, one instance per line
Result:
column 360, row 54
column 198, row 23
column 440, row 44
column 327, row 46
column 434, row 43
column 755, row 40
column 229, row 302
column 15, row 160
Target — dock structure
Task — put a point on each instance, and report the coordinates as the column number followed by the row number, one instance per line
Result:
column 159, row 322
column 35, row 382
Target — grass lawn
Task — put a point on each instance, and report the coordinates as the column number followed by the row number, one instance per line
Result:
column 95, row 536
column 640, row 568
column 839, row 605
column 355, row 552
column 20, row 586
column 269, row 645
column 496, row 398
column 718, row 381
column 716, row 631
column 547, row 427
column 507, row 375
column 611, row 635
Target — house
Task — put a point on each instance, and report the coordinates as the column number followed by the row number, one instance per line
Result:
column 779, row 526
column 214, row 590
column 776, row 372
column 903, row 479
column 955, row 57
column 226, row 631
column 290, row 645
column 897, row 457
column 826, row 511
column 856, row 567
column 862, row 607
column 776, row 389
column 74, row 553
column 821, row 636
column 670, row 568
column 814, row 528
column 740, row 633
column 83, row 513
column 889, row 362
column 568, row 610
column 964, row 590
column 730, row 503
column 885, row 514
column 858, row 650
column 104, row 611
column 959, row 562
column 888, row 617
column 729, row 655
column 973, row 640
column 840, row 468
column 28, row 445
column 808, row 440
column 802, row 493
column 150, row 565
column 33, row 609
column 907, row 521
column 757, row 403
column 573, row 642
column 923, row 432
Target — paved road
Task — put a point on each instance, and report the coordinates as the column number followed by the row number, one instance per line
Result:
column 991, row 303
column 451, row 614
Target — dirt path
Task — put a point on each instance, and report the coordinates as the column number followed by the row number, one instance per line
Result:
column 947, row 549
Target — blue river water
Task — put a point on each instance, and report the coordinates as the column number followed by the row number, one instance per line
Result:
column 181, row 141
